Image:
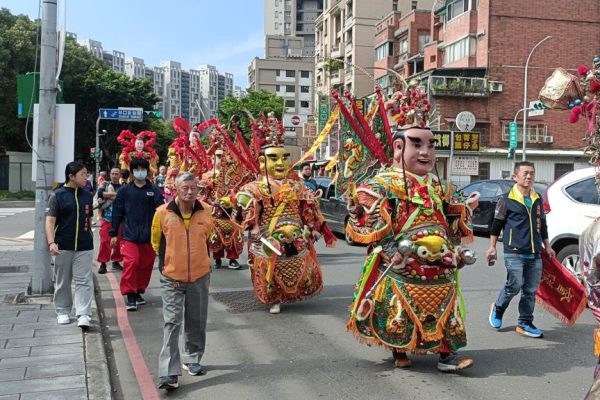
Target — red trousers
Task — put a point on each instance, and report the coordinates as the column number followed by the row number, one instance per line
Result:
column 138, row 261
column 107, row 253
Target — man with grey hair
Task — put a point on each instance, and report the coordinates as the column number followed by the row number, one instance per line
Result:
column 180, row 232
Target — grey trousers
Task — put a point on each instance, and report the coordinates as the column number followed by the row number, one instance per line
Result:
column 187, row 304
column 73, row 266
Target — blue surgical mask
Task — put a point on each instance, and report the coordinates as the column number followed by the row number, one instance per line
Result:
column 140, row 175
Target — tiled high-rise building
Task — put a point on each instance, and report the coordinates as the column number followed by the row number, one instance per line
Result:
column 181, row 92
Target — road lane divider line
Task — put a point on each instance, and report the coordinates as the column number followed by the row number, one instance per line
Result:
column 138, row 364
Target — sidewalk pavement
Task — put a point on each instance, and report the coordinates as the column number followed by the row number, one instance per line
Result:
column 40, row 359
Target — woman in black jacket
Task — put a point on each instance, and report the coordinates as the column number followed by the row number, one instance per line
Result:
column 70, row 241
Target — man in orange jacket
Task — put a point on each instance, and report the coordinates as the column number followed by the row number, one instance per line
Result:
column 180, row 232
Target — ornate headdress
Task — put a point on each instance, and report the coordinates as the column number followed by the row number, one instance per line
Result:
column 267, row 131
column 128, row 139
column 408, row 108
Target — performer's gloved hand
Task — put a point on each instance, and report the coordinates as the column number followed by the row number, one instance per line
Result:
column 395, row 259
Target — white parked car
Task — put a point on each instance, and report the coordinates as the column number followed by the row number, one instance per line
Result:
column 571, row 204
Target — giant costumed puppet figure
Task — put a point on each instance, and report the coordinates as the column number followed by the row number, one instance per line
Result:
column 138, row 146
column 284, row 221
column 407, row 298
column 220, row 183
column 186, row 154
column 581, row 95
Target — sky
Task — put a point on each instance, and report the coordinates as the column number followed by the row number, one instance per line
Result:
column 225, row 33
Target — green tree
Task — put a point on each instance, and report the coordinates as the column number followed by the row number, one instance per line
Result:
column 87, row 82
column 90, row 85
column 256, row 102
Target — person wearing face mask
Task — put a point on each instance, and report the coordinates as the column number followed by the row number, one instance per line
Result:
column 407, row 298
column 133, row 210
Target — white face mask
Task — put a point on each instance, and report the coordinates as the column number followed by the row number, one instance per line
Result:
column 140, row 175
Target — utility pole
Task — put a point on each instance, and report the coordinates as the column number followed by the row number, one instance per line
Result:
column 42, row 280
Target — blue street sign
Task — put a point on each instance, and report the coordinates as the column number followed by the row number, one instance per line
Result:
column 122, row 114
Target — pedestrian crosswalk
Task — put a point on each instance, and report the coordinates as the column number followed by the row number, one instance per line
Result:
column 7, row 212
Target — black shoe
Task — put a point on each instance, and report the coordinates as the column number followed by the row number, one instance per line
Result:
column 168, row 382
column 139, row 300
column 130, row 302
column 233, row 264
column 116, row 266
column 218, row 264
column 102, row 269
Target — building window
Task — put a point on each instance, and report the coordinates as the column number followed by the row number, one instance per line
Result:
column 458, row 50
column 483, row 173
column 277, row 88
column 304, row 74
column 403, row 49
column 304, row 89
column 304, row 104
column 423, row 40
column 456, row 8
column 290, row 104
column 278, row 72
column 290, row 89
column 290, row 73
column 561, row 169
column 381, row 52
column 535, row 132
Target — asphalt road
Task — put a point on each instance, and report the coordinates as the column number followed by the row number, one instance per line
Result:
column 306, row 353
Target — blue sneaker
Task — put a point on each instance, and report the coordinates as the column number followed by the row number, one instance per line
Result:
column 495, row 317
column 194, row 369
column 526, row 328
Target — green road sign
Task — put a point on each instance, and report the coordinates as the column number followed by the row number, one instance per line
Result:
column 512, row 135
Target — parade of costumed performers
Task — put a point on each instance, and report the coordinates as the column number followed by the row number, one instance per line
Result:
column 220, row 184
column 284, row 222
column 581, row 95
column 185, row 154
column 138, row 146
column 407, row 298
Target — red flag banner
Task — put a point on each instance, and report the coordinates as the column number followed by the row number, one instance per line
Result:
column 560, row 293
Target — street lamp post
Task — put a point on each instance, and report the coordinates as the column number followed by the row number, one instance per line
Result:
column 525, row 96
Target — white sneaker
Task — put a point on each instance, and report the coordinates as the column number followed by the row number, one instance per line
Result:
column 84, row 321
column 275, row 308
column 63, row 319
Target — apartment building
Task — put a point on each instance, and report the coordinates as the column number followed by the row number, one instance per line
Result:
column 180, row 91
column 290, row 78
column 293, row 18
column 135, row 67
column 475, row 62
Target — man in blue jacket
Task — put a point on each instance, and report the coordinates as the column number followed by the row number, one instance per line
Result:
column 133, row 209
column 521, row 215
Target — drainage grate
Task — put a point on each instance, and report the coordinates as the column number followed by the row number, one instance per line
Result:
column 239, row 302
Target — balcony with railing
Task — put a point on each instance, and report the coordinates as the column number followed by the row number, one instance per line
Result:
column 337, row 51
column 458, row 86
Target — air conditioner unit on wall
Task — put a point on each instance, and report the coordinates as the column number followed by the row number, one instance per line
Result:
column 496, row 86
column 548, row 139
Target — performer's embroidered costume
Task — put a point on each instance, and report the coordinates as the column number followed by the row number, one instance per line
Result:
column 138, row 146
column 284, row 220
column 407, row 298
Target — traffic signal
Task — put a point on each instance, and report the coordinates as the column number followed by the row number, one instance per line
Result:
column 152, row 114
column 511, row 152
column 539, row 106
